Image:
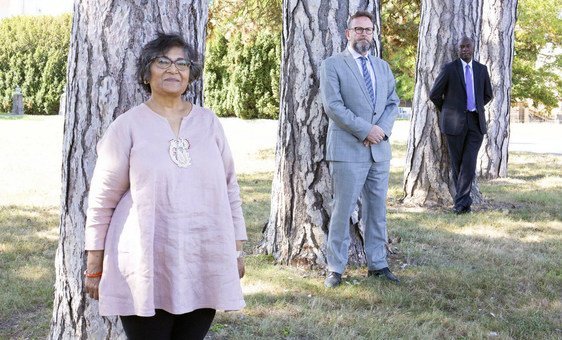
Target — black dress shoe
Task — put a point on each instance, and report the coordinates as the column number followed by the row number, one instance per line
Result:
column 461, row 210
column 332, row 280
column 384, row 272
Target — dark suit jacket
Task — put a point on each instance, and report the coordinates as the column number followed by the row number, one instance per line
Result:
column 449, row 95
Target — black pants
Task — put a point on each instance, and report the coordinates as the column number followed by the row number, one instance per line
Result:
column 163, row 325
column 463, row 152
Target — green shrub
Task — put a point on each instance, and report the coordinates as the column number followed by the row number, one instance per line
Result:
column 242, row 77
column 33, row 54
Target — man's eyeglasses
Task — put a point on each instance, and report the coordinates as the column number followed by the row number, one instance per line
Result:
column 360, row 30
column 164, row 63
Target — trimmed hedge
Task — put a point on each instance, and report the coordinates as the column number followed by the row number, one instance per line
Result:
column 242, row 77
column 241, row 74
column 33, row 54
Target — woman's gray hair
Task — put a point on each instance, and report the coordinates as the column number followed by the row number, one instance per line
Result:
column 158, row 47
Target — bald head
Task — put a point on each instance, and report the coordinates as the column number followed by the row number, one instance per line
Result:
column 466, row 49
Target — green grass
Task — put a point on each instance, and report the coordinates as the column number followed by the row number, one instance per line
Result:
column 28, row 241
column 9, row 116
column 255, row 190
column 6, row 116
column 494, row 273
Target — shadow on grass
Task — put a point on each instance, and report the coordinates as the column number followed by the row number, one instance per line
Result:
column 437, row 303
column 453, row 285
column 492, row 273
column 28, row 240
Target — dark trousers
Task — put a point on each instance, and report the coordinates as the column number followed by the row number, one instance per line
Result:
column 163, row 325
column 463, row 152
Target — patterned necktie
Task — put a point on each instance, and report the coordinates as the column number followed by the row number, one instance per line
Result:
column 470, row 105
column 367, row 78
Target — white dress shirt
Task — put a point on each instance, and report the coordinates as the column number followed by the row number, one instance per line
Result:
column 356, row 56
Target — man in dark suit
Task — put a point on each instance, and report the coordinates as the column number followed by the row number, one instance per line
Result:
column 460, row 92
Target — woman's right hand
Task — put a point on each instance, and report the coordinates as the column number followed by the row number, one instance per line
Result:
column 94, row 265
column 241, row 267
column 91, row 285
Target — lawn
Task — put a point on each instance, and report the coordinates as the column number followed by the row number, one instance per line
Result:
column 494, row 273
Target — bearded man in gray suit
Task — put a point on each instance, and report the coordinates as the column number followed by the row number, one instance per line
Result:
column 359, row 96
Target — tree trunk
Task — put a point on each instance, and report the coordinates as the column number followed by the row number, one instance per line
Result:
column 496, row 51
column 301, row 191
column 427, row 177
column 105, row 42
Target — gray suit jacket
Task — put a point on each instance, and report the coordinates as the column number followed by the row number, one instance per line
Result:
column 351, row 112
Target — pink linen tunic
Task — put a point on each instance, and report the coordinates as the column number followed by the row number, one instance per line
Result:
column 168, row 232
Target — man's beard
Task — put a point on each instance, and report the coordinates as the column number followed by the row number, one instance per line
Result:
column 362, row 46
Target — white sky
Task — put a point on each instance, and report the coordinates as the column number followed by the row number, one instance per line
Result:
column 10, row 8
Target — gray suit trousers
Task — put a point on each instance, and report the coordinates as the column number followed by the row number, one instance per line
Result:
column 349, row 180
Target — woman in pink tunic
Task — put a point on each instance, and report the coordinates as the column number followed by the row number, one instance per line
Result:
column 164, row 226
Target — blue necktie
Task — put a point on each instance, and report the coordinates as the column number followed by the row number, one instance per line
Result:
column 367, row 78
column 470, row 105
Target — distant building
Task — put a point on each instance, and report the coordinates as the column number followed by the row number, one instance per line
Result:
column 10, row 8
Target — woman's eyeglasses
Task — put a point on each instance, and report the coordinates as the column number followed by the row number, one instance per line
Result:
column 164, row 63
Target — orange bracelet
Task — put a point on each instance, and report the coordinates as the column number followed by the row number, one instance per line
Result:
column 93, row 275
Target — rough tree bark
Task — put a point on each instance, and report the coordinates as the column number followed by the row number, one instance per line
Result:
column 105, row 42
column 427, row 178
column 496, row 51
column 301, row 190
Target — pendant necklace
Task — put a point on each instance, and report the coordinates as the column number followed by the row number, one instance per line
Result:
column 179, row 152
column 179, row 147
